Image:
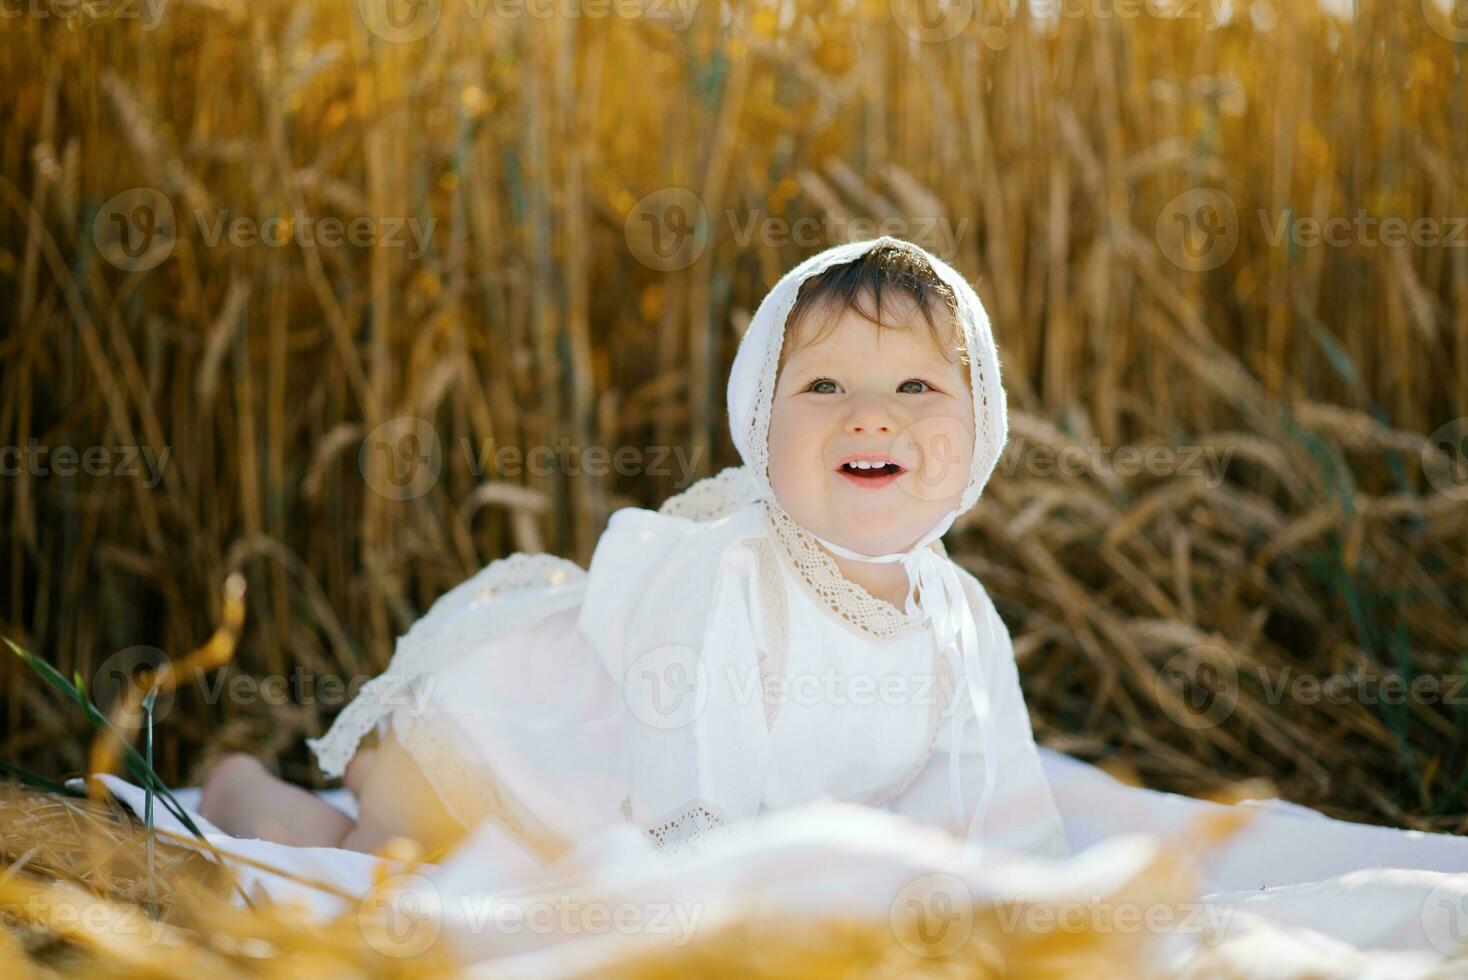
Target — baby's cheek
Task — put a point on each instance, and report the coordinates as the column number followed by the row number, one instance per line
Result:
column 787, row 434
column 780, row 451
column 941, row 448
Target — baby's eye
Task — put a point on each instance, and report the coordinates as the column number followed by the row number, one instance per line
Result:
column 816, row 386
column 915, row 381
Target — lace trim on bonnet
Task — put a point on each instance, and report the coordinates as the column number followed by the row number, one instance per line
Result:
column 752, row 410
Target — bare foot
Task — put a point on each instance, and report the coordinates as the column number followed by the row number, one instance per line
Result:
column 243, row 799
column 219, row 796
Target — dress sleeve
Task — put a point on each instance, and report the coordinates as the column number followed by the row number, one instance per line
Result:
column 1022, row 816
column 671, row 610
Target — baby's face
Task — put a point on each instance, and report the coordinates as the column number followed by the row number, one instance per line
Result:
column 892, row 398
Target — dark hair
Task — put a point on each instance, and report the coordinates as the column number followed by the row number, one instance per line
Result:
column 859, row 285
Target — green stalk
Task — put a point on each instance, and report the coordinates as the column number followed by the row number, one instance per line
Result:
column 140, row 769
column 148, row 790
column 37, row 780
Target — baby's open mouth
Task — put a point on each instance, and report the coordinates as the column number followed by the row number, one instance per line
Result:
column 874, row 470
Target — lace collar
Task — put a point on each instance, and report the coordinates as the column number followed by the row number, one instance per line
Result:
column 818, row 572
column 812, row 566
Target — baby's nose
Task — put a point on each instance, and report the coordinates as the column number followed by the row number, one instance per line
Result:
column 870, row 418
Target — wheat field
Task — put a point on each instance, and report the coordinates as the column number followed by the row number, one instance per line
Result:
column 1226, row 262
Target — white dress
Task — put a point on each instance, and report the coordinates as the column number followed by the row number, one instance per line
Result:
column 518, row 694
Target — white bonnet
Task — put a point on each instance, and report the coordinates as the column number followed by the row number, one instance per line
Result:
column 752, row 378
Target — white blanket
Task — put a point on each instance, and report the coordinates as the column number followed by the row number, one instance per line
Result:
column 1294, row 893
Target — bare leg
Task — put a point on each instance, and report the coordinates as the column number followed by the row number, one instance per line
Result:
column 395, row 799
column 243, row 799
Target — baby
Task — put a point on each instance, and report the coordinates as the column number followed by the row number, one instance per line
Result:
column 787, row 631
